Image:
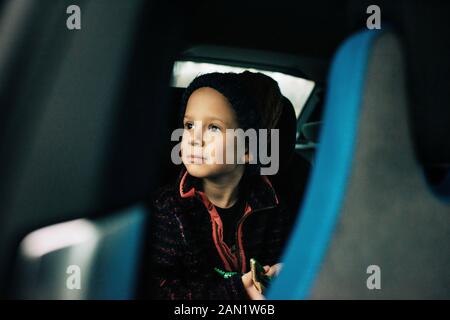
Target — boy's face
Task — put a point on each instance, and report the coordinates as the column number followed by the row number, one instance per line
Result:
column 204, row 145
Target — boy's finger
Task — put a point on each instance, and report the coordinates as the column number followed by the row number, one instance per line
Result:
column 254, row 294
column 274, row 270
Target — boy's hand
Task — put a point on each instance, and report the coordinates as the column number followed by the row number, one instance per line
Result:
column 249, row 286
column 247, row 280
column 274, row 270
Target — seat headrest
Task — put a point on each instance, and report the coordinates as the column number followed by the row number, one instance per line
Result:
column 287, row 124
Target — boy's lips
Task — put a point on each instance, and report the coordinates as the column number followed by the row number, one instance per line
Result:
column 193, row 157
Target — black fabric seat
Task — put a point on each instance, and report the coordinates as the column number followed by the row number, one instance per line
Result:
column 290, row 182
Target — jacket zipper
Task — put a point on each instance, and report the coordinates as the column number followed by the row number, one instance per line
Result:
column 224, row 253
column 240, row 222
column 231, row 263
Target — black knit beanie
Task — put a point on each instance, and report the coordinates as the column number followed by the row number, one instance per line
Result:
column 232, row 86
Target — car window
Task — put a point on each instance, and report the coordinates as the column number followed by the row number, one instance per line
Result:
column 296, row 89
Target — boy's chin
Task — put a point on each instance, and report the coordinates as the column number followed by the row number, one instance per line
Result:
column 204, row 170
column 199, row 170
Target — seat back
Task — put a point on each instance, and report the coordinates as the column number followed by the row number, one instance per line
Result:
column 368, row 207
column 80, row 134
column 83, row 258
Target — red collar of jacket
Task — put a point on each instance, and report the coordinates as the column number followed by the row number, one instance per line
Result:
column 259, row 194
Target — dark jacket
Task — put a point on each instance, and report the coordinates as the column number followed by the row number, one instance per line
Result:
column 186, row 239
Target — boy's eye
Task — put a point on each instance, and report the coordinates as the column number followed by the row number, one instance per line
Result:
column 214, row 128
column 188, row 125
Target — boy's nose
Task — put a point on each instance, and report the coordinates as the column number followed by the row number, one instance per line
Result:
column 197, row 137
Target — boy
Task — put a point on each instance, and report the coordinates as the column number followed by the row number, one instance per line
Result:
column 205, row 229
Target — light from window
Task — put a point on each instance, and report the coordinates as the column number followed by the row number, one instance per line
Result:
column 296, row 89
